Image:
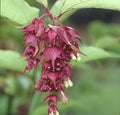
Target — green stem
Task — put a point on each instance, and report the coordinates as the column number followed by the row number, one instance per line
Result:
column 33, row 102
column 10, row 99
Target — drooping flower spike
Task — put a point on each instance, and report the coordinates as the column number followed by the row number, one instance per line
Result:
column 53, row 46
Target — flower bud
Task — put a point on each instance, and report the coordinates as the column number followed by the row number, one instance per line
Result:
column 78, row 57
column 56, row 113
column 66, row 84
column 73, row 57
column 70, row 83
column 65, row 100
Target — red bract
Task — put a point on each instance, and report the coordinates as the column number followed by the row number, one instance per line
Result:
column 53, row 110
column 37, row 27
column 52, row 99
column 53, row 47
column 51, row 37
column 51, row 53
column 72, row 32
column 61, row 33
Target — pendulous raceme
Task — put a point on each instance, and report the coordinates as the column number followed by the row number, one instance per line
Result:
column 53, row 46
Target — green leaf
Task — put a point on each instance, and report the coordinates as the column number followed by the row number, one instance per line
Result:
column 107, row 42
column 79, row 4
column 98, row 29
column 12, row 60
column 56, row 9
column 94, row 53
column 44, row 2
column 73, row 5
column 24, row 82
column 3, row 104
column 18, row 11
column 11, row 85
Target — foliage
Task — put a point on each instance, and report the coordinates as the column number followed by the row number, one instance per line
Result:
column 9, row 8
column 72, row 6
column 18, row 11
column 13, row 59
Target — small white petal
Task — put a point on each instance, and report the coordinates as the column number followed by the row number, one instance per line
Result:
column 70, row 83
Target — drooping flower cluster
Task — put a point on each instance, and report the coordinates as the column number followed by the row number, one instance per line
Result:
column 53, row 47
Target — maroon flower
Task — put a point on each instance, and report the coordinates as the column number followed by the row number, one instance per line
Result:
column 47, row 55
column 53, row 110
column 61, row 33
column 36, row 27
column 52, row 99
column 72, row 33
column 53, row 47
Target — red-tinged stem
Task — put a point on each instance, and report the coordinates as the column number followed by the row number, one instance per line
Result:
column 44, row 15
column 63, row 13
column 59, row 22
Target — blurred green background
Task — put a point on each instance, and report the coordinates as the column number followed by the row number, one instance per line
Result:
column 96, row 89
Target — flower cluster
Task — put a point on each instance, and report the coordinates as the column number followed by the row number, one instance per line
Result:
column 53, row 47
